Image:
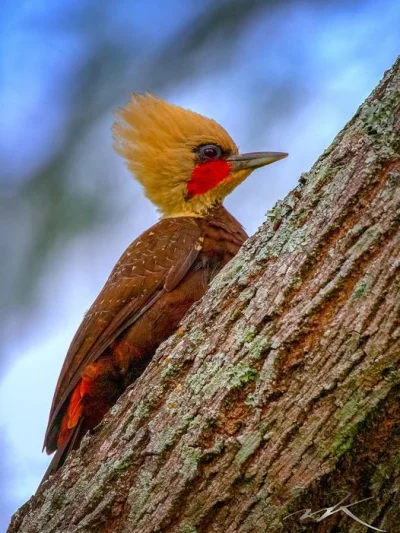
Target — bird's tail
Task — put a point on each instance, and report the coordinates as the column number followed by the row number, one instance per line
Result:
column 63, row 451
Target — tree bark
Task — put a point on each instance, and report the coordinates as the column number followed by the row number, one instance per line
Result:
column 280, row 391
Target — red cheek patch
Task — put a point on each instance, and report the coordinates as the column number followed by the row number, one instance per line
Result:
column 206, row 176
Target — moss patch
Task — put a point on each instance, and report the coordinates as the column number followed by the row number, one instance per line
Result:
column 241, row 374
column 379, row 122
column 362, row 287
column 185, row 528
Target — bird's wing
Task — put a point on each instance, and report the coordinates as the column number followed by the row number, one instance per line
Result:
column 154, row 263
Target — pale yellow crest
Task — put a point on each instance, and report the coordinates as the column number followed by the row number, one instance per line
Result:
column 159, row 141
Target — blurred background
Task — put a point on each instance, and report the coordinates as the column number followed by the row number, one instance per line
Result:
column 279, row 75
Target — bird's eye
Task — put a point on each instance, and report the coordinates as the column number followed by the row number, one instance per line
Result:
column 210, row 152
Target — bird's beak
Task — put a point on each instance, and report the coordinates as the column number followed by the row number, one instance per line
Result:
column 254, row 160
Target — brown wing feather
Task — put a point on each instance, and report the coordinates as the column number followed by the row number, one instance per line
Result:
column 155, row 262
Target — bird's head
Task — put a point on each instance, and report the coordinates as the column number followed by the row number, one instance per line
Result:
column 186, row 163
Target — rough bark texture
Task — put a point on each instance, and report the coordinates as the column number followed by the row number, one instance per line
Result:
column 281, row 389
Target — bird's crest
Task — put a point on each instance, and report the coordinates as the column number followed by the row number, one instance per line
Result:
column 159, row 142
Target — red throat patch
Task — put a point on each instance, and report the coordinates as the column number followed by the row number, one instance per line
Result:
column 208, row 175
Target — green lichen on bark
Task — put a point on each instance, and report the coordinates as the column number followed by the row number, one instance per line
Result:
column 381, row 123
column 185, row 528
column 362, row 287
column 170, row 369
column 123, row 464
column 139, row 494
column 240, row 375
column 249, row 444
column 190, row 460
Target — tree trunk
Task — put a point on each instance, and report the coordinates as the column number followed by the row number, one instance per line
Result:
column 280, row 391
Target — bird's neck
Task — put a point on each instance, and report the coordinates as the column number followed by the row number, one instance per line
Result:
column 203, row 213
column 217, row 217
column 219, row 225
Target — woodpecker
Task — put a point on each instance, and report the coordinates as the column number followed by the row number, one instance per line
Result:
column 187, row 164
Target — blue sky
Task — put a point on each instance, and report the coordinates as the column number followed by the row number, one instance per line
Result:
column 296, row 75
